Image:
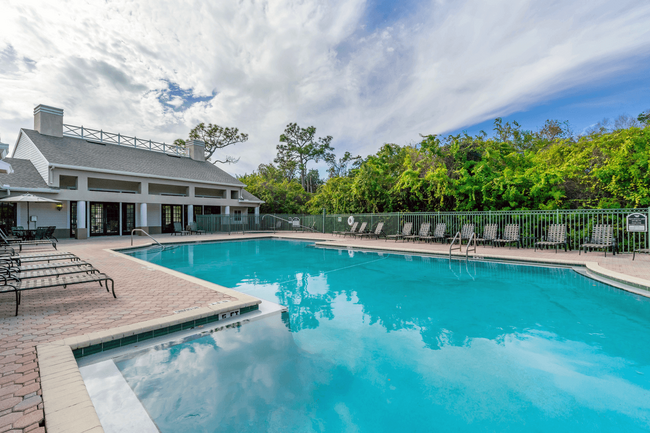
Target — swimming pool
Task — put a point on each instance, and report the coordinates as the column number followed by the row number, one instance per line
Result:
column 392, row 342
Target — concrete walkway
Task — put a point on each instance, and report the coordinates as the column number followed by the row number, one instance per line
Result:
column 145, row 293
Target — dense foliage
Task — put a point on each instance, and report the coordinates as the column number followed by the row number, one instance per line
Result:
column 513, row 169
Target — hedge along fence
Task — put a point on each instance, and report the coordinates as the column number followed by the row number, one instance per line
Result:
column 533, row 225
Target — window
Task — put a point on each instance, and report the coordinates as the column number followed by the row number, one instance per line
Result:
column 237, row 215
column 209, row 192
column 112, row 185
column 234, row 195
column 67, row 182
column 168, row 190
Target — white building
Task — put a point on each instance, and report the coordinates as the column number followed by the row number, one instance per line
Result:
column 109, row 183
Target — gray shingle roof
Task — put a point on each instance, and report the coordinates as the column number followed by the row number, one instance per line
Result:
column 248, row 196
column 81, row 153
column 25, row 175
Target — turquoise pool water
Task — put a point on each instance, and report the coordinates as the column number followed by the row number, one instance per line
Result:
column 396, row 343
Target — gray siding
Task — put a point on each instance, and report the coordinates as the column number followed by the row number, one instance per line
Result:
column 25, row 149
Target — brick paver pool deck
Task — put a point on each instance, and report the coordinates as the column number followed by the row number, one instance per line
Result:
column 144, row 293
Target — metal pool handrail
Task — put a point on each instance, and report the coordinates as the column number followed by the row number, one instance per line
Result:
column 140, row 230
column 471, row 238
column 460, row 243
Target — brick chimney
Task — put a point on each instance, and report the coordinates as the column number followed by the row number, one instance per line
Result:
column 197, row 149
column 48, row 120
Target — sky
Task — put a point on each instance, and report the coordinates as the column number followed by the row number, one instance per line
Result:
column 365, row 72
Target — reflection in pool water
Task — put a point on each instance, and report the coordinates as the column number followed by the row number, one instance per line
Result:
column 379, row 342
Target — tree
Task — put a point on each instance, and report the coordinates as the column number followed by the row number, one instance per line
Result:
column 644, row 118
column 279, row 194
column 299, row 146
column 215, row 137
column 344, row 166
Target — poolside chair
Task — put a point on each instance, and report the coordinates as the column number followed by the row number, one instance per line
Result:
column 353, row 229
column 465, row 232
column 9, row 268
column 489, row 234
column 50, row 233
column 377, row 232
column 20, row 243
column 194, row 229
column 425, row 230
column 178, row 229
column 555, row 237
column 406, row 231
column 641, row 250
column 34, row 258
column 20, row 286
column 510, row 236
column 47, row 272
column 362, row 230
column 602, row 237
column 438, row 233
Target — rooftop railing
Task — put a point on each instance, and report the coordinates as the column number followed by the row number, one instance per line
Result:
column 100, row 136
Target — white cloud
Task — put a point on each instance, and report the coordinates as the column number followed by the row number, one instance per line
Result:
column 445, row 65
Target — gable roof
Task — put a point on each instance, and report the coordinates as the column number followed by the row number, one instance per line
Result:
column 25, row 175
column 78, row 152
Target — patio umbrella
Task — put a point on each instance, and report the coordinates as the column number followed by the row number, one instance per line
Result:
column 28, row 198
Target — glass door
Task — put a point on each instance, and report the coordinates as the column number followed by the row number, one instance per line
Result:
column 96, row 219
column 112, row 218
column 171, row 213
column 128, row 218
column 73, row 219
column 104, row 219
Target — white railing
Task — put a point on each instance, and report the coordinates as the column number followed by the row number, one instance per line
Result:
column 100, row 136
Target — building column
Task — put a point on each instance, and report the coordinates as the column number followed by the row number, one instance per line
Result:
column 190, row 214
column 82, row 231
column 257, row 215
column 226, row 210
column 142, row 222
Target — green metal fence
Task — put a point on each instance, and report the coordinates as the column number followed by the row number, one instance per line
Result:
column 532, row 224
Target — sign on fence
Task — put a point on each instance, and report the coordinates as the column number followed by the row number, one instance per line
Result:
column 637, row 222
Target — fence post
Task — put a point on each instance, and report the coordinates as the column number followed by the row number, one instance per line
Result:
column 324, row 212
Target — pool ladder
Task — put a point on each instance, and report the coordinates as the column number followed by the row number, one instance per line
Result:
column 459, row 238
column 147, row 234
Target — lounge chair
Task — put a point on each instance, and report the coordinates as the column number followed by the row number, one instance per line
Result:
column 510, row 236
column 34, row 258
column 438, row 233
column 406, row 231
column 377, row 232
column 602, row 237
column 9, row 268
column 466, row 232
column 20, row 286
column 555, row 237
column 50, row 233
column 425, row 230
column 48, row 272
column 178, row 229
column 641, row 250
column 489, row 234
column 353, row 229
column 361, row 231
column 194, row 229
column 13, row 242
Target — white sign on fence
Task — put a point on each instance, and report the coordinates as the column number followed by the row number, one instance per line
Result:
column 637, row 222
